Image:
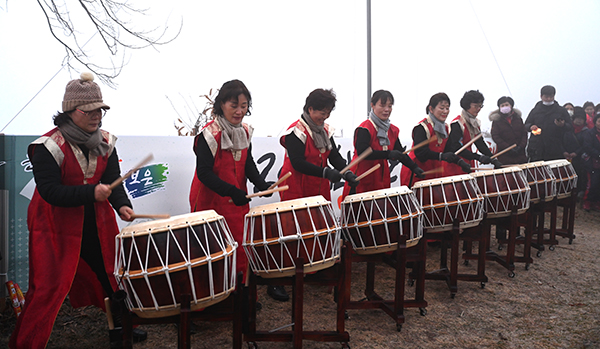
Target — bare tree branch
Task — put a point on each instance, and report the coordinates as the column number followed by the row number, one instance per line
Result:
column 111, row 20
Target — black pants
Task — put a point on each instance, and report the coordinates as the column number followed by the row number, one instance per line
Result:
column 91, row 252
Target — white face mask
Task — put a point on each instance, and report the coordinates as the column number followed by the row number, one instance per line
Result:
column 548, row 103
column 505, row 110
column 570, row 112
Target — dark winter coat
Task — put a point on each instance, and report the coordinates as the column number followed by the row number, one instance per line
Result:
column 549, row 144
column 506, row 134
column 591, row 148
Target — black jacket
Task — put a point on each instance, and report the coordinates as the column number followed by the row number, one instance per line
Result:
column 549, row 144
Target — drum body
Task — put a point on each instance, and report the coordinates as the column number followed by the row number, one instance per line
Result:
column 448, row 198
column 565, row 175
column 276, row 234
column 373, row 221
column 502, row 189
column 158, row 261
column 541, row 181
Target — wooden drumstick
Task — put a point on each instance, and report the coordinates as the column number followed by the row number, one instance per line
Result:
column 425, row 142
column 435, row 170
column 274, row 185
column 468, row 144
column 368, row 172
column 153, row 216
column 130, row 172
column 504, row 151
column 360, row 158
column 111, row 322
column 267, row 192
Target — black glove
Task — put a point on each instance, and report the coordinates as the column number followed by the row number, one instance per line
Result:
column 464, row 166
column 333, row 175
column 497, row 164
column 450, row 157
column 484, row 159
column 419, row 172
column 238, row 196
column 267, row 188
column 395, row 155
column 351, row 178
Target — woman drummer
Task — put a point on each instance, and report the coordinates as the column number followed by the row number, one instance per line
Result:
column 467, row 126
column 224, row 162
column 434, row 158
column 309, row 148
column 378, row 133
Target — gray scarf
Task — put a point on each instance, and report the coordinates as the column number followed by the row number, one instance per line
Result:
column 319, row 134
column 439, row 126
column 233, row 136
column 473, row 124
column 382, row 128
column 92, row 141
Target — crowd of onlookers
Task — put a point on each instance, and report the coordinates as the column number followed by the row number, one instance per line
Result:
column 555, row 132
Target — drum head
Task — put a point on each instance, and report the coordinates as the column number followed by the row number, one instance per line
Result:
column 378, row 194
column 175, row 222
column 441, row 180
column 283, row 206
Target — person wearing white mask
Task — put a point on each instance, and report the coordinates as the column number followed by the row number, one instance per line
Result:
column 569, row 107
column 547, row 122
column 508, row 129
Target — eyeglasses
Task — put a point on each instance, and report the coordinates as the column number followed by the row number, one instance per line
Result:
column 476, row 105
column 96, row 112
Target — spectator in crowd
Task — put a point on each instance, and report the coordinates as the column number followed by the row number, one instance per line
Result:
column 569, row 107
column 508, row 129
column 573, row 143
column 547, row 122
column 591, row 148
column 590, row 112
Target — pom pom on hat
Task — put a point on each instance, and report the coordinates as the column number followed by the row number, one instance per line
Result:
column 83, row 94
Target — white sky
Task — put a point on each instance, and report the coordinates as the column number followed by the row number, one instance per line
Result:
column 282, row 50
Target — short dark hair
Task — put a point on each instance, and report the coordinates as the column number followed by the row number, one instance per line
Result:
column 588, row 104
column 471, row 97
column 320, row 99
column 596, row 118
column 230, row 91
column 578, row 113
column 60, row 118
column 548, row 90
column 571, row 104
column 505, row 99
column 383, row 96
column 436, row 99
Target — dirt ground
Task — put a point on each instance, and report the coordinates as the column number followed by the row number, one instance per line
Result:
column 554, row 304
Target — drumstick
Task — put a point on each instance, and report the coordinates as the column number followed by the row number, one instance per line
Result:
column 274, row 185
column 368, row 172
column 468, row 144
column 361, row 157
column 268, row 191
column 435, row 170
column 504, row 151
column 154, row 216
column 427, row 141
column 111, row 323
column 125, row 176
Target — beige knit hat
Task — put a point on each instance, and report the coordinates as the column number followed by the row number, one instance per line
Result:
column 83, row 94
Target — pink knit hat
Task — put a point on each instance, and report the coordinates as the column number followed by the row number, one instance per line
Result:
column 83, row 94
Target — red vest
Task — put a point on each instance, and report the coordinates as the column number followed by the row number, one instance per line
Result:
column 231, row 168
column 454, row 169
column 436, row 146
column 380, row 178
column 55, row 268
column 302, row 185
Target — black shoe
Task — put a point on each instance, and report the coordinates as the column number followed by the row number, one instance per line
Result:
column 116, row 337
column 139, row 335
column 258, row 305
column 278, row 293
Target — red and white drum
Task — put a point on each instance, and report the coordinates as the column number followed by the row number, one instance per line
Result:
column 448, row 198
column 566, row 177
column 502, row 189
column 158, row 261
column 276, row 234
column 541, row 181
column 372, row 221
